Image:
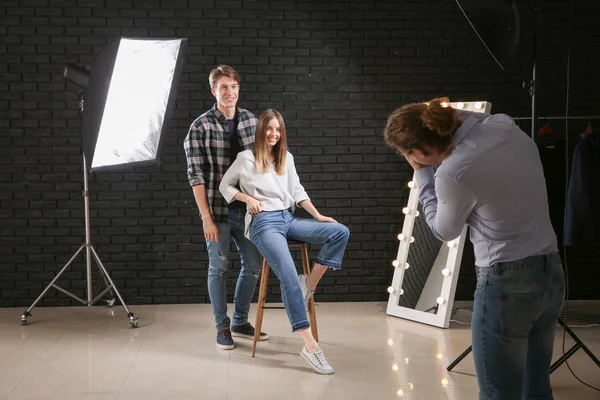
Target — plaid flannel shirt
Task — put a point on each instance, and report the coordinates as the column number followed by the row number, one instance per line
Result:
column 207, row 150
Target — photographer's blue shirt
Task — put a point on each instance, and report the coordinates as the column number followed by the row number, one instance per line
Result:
column 494, row 182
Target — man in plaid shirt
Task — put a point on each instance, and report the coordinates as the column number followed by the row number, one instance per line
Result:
column 211, row 145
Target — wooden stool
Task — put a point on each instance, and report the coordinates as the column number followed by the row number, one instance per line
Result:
column 262, row 295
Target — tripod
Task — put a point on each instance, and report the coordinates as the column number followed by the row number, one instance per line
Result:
column 578, row 345
column 89, row 251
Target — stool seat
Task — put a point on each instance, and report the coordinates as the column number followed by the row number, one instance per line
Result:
column 262, row 294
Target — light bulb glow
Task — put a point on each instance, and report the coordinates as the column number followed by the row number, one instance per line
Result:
column 460, row 105
column 406, row 266
column 444, row 382
column 444, row 104
column 411, row 184
column 401, row 292
column 390, row 290
column 451, row 244
column 405, row 210
column 390, row 342
column 478, row 105
column 412, row 239
column 440, row 300
column 395, row 367
column 401, row 236
column 396, row 263
column 417, row 213
column 440, row 356
column 400, row 393
column 406, row 360
column 445, row 272
column 411, row 386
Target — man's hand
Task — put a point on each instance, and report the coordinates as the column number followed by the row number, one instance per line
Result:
column 211, row 232
column 413, row 163
column 254, row 206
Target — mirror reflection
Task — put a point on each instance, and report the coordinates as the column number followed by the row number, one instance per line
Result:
column 427, row 256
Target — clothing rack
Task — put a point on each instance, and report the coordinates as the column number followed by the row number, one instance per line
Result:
column 583, row 117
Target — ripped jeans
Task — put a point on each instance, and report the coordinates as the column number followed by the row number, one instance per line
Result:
column 218, row 265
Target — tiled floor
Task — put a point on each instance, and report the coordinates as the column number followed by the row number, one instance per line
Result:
column 93, row 354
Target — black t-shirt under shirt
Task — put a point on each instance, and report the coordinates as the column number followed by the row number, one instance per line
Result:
column 234, row 149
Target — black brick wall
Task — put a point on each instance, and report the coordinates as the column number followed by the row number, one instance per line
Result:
column 335, row 68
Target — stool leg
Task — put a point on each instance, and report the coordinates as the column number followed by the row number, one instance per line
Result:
column 312, row 314
column 262, row 296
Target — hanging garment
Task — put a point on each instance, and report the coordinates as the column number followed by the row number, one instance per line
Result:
column 582, row 221
column 552, row 156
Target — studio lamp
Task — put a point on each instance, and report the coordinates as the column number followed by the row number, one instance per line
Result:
column 128, row 99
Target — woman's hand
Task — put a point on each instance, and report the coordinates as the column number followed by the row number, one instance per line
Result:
column 322, row 218
column 254, row 206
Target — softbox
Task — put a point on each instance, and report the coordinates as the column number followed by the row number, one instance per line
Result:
column 496, row 22
column 128, row 102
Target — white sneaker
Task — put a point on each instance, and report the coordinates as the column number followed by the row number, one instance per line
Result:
column 316, row 360
column 306, row 291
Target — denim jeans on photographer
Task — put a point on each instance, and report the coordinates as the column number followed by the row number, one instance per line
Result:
column 514, row 320
column 218, row 265
column 270, row 232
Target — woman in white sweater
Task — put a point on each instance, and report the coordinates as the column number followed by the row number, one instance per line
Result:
column 271, row 189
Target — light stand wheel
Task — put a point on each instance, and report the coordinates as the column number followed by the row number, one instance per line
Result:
column 24, row 317
column 133, row 321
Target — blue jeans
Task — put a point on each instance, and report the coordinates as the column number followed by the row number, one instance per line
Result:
column 270, row 232
column 218, row 264
column 516, row 308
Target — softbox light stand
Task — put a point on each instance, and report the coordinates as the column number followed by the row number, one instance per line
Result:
column 131, row 92
column 89, row 251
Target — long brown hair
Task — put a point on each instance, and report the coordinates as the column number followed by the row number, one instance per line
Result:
column 419, row 125
column 261, row 146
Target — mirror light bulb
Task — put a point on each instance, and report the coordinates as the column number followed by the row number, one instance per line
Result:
column 417, row 213
column 390, row 290
column 478, row 105
column 412, row 239
column 395, row 367
column 400, row 393
column 440, row 300
column 460, row 105
column 396, row 263
column 411, row 184
column 451, row 243
column 445, row 272
column 405, row 210
column 406, row 266
column 390, row 342
column 401, row 292
column 401, row 236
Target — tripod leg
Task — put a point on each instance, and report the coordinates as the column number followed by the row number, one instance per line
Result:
column 132, row 320
column 111, row 301
column 460, row 358
column 564, row 358
column 578, row 345
column 27, row 313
